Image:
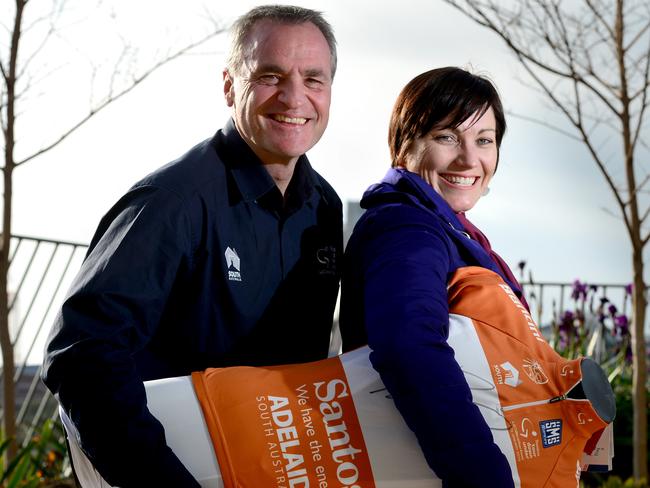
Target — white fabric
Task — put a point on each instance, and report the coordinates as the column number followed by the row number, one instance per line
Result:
column 173, row 402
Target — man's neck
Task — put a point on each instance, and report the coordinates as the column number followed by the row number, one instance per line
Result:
column 281, row 174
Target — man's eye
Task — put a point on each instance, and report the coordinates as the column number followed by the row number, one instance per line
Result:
column 313, row 82
column 269, row 79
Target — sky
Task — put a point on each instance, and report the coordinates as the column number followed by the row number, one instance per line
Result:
column 547, row 204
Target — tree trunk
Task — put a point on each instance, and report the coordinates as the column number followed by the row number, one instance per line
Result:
column 639, row 371
column 6, row 345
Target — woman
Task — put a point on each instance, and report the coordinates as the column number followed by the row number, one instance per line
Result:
column 445, row 132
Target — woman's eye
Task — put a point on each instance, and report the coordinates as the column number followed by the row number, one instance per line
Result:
column 446, row 138
column 484, row 141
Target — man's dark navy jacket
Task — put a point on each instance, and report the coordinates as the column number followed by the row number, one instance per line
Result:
column 201, row 264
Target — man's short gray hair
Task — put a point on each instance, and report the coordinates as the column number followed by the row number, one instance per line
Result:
column 281, row 14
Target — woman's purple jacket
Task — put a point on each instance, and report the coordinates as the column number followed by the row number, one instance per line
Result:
column 397, row 265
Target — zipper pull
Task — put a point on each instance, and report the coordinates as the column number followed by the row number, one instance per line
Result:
column 557, row 399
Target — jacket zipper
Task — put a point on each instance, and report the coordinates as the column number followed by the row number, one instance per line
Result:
column 542, row 402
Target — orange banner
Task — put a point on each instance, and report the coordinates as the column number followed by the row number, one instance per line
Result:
column 282, row 427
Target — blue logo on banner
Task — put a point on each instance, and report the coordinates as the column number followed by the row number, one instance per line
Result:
column 551, row 432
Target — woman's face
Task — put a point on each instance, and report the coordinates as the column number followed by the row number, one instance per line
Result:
column 458, row 163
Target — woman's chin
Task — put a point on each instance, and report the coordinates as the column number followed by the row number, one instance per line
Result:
column 460, row 206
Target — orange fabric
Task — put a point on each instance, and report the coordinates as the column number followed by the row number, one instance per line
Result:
column 292, row 427
column 549, row 437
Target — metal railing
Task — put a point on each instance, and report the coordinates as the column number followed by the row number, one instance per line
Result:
column 549, row 299
column 40, row 272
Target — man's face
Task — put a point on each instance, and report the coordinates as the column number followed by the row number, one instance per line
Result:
column 281, row 96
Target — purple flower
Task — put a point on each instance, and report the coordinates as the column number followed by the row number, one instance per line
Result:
column 622, row 325
column 579, row 290
column 628, row 353
column 628, row 289
column 612, row 309
column 566, row 321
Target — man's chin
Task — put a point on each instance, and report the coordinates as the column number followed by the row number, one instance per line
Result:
column 292, row 151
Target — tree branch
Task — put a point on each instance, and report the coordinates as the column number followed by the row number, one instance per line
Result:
column 113, row 97
column 644, row 241
column 645, row 216
column 637, row 37
column 544, row 124
column 610, row 213
column 567, row 44
column 644, row 98
column 585, row 139
column 641, row 90
column 601, row 19
column 481, row 18
column 5, row 77
column 36, row 51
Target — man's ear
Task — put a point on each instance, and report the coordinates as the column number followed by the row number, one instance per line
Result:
column 228, row 88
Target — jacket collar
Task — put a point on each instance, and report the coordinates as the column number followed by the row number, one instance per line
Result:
column 426, row 194
column 416, row 189
column 400, row 184
column 250, row 176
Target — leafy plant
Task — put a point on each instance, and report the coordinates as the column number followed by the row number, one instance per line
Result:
column 593, row 327
column 39, row 464
column 616, row 482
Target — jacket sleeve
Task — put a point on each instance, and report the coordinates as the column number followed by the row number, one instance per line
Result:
column 405, row 262
column 113, row 310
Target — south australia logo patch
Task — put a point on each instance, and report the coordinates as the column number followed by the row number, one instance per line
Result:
column 508, row 374
column 233, row 264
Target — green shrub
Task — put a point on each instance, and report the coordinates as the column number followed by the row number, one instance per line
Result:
column 616, row 482
column 39, row 464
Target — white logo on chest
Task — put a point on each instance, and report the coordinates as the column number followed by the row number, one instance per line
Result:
column 233, row 263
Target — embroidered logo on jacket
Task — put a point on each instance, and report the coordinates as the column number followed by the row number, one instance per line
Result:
column 233, row 263
column 508, row 374
column 535, row 372
column 326, row 257
column 551, row 432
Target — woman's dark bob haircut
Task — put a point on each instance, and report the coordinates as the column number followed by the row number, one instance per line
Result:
column 440, row 98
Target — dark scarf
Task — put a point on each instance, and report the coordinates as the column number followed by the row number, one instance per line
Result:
column 476, row 234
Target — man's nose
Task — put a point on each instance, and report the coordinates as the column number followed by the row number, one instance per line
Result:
column 292, row 92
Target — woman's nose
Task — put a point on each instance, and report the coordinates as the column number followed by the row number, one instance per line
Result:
column 467, row 155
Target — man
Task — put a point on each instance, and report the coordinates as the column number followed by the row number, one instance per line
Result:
column 226, row 256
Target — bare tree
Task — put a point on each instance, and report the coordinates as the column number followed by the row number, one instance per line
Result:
column 591, row 60
column 23, row 76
